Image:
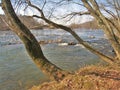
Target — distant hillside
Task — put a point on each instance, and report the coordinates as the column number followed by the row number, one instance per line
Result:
column 86, row 25
column 30, row 22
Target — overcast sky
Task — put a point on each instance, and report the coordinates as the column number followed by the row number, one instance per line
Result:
column 59, row 11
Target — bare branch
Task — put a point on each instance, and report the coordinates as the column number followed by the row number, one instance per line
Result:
column 51, row 13
column 78, row 3
column 44, row 4
column 108, row 11
column 30, row 4
column 36, row 16
column 77, row 13
column 85, row 44
column 95, row 5
column 117, row 6
column 95, row 11
column 71, row 15
column 25, row 7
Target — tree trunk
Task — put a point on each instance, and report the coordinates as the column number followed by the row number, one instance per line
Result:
column 32, row 46
column 85, row 44
column 105, row 24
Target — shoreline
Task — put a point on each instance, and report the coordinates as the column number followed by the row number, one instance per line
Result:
column 87, row 78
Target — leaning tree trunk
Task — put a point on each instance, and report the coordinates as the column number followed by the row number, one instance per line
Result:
column 105, row 24
column 32, row 46
column 85, row 44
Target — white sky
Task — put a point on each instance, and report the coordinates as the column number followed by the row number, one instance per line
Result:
column 60, row 11
column 1, row 11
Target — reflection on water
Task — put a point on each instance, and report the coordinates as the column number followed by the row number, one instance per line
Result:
column 18, row 72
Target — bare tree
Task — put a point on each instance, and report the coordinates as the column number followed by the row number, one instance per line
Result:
column 33, row 48
column 109, row 27
column 85, row 44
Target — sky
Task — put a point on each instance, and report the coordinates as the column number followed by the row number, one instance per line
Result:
column 59, row 11
column 1, row 11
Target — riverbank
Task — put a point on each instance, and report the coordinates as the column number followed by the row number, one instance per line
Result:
column 87, row 78
column 95, row 77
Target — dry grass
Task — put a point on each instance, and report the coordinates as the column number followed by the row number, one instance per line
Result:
column 88, row 78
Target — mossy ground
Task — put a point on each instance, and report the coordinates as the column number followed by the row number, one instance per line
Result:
column 87, row 78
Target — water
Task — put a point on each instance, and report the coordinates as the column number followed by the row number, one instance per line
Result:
column 8, row 37
column 18, row 72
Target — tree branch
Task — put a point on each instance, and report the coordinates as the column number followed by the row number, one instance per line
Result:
column 76, row 13
column 31, row 44
column 44, row 4
column 106, row 25
column 85, row 44
column 30, row 4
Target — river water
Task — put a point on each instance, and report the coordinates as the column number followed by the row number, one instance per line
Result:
column 18, row 72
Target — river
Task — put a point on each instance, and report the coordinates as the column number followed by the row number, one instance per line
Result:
column 17, row 70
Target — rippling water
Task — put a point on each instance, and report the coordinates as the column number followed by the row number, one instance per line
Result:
column 18, row 72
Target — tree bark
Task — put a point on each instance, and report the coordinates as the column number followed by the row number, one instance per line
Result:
column 32, row 46
column 104, row 23
column 85, row 44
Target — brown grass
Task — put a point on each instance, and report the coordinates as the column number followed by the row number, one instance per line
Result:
column 88, row 78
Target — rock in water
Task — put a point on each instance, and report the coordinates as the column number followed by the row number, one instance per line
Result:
column 62, row 44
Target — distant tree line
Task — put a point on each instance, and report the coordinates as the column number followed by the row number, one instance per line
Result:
column 87, row 25
column 29, row 21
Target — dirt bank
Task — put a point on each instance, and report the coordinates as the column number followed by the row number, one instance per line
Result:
column 88, row 78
